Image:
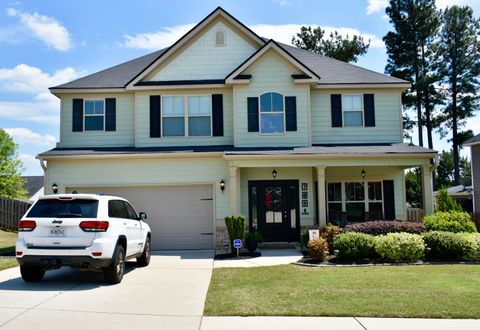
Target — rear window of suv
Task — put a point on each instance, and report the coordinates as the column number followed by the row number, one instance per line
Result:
column 72, row 208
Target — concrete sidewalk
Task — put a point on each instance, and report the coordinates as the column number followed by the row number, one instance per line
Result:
column 334, row 323
column 268, row 258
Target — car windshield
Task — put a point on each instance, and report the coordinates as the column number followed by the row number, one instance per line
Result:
column 72, row 208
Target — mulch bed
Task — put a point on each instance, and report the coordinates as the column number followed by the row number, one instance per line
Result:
column 233, row 256
column 335, row 262
column 8, row 254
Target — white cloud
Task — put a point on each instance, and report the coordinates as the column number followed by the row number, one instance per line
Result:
column 29, row 79
column 380, row 5
column 24, row 136
column 45, row 28
column 376, row 5
column 282, row 33
column 31, row 164
column 156, row 40
column 38, row 112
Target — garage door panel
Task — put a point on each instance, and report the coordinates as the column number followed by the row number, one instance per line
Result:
column 181, row 217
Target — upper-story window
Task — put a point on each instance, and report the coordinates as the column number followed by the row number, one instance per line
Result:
column 220, row 38
column 94, row 115
column 352, row 106
column 187, row 115
column 272, row 113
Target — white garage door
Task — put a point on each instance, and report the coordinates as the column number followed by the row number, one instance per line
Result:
column 181, row 217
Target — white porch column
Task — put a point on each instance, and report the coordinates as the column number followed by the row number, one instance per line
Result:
column 234, row 184
column 321, row 196
column 427, row 189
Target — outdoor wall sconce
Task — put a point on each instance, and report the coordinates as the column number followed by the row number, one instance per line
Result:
column 363, row 173
column 54, row 188
column 274, row 173
column 222, row 185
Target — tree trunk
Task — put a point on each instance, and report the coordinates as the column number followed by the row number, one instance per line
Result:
column 456, row 163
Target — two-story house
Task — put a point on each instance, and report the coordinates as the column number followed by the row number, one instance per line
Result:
column 226, row 122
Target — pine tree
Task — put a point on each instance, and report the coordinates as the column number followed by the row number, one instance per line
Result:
column 343, row 49
column 409, row 49
column 459, row 68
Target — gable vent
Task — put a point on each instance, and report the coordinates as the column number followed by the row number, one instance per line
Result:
column 220, row 38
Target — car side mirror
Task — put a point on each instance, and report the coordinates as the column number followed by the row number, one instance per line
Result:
column 142, row 216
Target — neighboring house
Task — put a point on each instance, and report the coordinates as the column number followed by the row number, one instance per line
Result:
column 474, row 144
column 226, row 122
column 462, row 194
column 34, row 187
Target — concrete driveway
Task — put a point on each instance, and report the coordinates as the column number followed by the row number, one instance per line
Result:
column 168, row 294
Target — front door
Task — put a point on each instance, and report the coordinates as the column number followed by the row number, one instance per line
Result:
column 274, row 210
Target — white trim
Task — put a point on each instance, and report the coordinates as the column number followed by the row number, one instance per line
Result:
column 186, row 116
column 229, row 79
column 168, row 87
column 474, row 175
column 189, row 36
column 56, row 91
column 403, row 86
column 362, row 110
column 94, row 115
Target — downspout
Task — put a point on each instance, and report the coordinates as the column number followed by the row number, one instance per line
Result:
column 44, row 167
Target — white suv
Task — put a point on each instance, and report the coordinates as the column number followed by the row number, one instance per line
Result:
column 84, row 231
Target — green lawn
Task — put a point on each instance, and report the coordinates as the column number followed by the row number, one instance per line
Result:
column 7, row 263
column 7, row 241
column 431, row 291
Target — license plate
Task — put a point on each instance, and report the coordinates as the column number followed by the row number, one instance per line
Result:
column 57, row 232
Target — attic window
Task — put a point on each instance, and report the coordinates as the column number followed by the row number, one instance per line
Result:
column 220, row 38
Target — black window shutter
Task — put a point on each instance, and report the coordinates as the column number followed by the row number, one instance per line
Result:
column 110, row 114
column 217, row 114
column 389, row 199
column 291, row 113
column 77, row 115
column 369, row 110
column 336, row 104
column 252, row 103
column 155, row 113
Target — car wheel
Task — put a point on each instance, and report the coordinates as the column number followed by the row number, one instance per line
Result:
column 32, row 273
column 114, row 273
column 144, row 259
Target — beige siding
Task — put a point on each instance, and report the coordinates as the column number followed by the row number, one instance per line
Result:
column 136, row 173
column 388, row 120
column 476, row 176
column 124, row 136
column 201, row 59
column 143, row 121
column 271, row 73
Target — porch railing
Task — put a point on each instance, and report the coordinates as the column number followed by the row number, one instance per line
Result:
column 415, row 214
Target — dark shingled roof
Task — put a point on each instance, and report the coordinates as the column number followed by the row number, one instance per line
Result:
column 365, row 149
column 115, row 77
column 330, row 71
column 473, row 140
column 33, row 184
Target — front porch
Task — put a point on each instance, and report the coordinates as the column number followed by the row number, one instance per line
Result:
column 282, row 196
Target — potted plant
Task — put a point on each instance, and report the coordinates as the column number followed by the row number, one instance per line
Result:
column 252, row 239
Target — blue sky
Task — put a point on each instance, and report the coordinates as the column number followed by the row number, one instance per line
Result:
column 46, row 43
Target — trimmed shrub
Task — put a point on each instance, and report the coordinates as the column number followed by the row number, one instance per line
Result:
column 318, row 249
column 352, row 246
column 377, row 228
column 455, row 222
column 453, row 246
column 445, row 203
column 400, row 247
column 328, row 233
column 236, row 228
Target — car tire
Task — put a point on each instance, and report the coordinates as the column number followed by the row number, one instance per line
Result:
column 144, row 259
column 113, row 274
column 32, row 273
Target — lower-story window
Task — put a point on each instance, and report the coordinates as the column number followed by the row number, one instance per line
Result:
column 352, row 200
